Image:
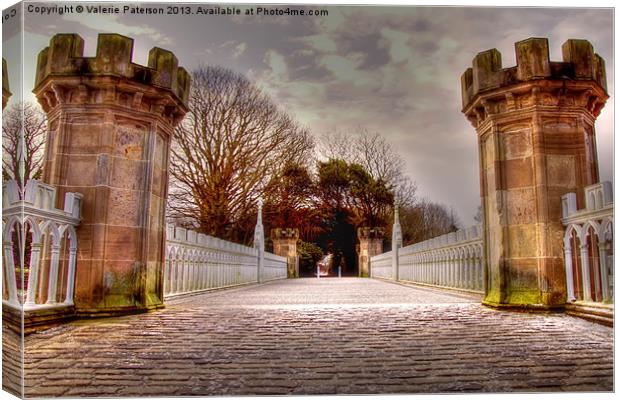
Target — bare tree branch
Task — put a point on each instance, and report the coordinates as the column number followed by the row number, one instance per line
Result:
column 233, row 141
column 24, row 129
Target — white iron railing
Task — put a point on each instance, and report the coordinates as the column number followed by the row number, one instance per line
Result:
column 453, row 260
column 588, row 244
column 39, row 246
column 381, row 266
column 196, row 262
column 274, row 268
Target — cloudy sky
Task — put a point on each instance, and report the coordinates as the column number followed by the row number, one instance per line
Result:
column 392, row 70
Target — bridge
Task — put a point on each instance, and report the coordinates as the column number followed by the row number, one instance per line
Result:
column 112, row 301
column 320, row 336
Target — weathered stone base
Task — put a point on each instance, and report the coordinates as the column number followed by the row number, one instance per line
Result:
column 116, row 311
column 524, row 307
column 36, row 320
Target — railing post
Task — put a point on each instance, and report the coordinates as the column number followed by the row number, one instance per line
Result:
column 261, row 264
column 450, row 262
column 210, row 269
column 167, row 274
column 585, row 272
column 603, row 266
column 596, row 272
column 480, row 273
column 177, row 274
column 71, row 274
column 9, row 268
column 190, row 273
column 259, row 242
column 31, row 295
column 185, row 274
column 204, row 270
column 53, row 277
column 444, row 273
column 462, row 279
column 397, row 242
column 568, row 264
column 471, row 275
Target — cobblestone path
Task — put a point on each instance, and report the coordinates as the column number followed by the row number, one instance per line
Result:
column 329, row 336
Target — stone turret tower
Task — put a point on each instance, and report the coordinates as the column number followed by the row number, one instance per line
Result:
column 536, row 142
column 285, row 245
column 110, row 125
column 371, row 244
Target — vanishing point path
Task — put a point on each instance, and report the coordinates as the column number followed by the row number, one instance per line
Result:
column 311, row 336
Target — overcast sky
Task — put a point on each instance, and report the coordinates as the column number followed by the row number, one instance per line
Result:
column 392, row 70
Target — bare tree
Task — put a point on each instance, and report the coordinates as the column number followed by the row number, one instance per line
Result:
column 233, row 141
column 376, row 155
column 427, row 220
column 24, row 129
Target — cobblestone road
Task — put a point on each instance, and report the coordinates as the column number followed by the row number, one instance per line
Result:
column 328, row 336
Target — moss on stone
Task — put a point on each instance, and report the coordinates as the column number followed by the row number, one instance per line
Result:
column 523, row 297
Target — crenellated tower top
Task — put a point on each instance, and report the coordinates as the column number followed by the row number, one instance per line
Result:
column 488, row 88
column 284, row 233
column 110, row 75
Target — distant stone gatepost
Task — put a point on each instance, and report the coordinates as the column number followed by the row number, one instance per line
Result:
column 285, row 244
column 371, row 244
column 536, row 142
column 110, row 124
column 6, row 93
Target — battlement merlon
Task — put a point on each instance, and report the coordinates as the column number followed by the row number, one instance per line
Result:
column 370, row 233
column 64, row 58
column 284, row 233
column 580, row 63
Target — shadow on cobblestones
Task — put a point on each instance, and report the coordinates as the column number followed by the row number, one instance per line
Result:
column 320, row 336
